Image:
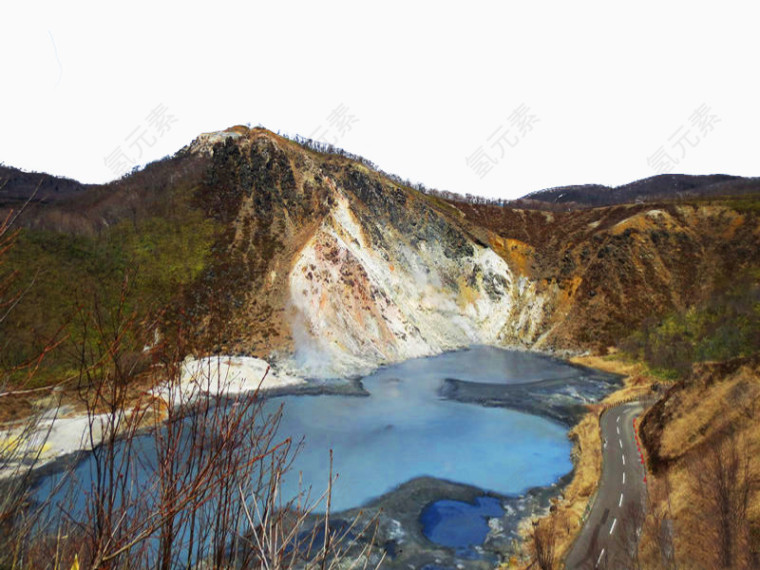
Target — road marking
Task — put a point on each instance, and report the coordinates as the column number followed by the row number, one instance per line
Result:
column 620, row 502
column 618, row 430
column 618, row 419
column 623, row 458
column 623, row 477
column 598, row 560
column 612, row 528
column 620, row 441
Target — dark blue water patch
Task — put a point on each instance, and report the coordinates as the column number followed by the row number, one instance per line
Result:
column 459, row 525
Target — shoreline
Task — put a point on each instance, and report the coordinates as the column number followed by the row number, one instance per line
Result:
column 569, row 512
column 400, row 530
column 280, row 380
column 64, row 461
column 60, row 437
column 350, row 388
column 563, row 400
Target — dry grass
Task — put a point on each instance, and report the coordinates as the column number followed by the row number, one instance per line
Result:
column 698, row 418
column 638, row 381
column 706, row 412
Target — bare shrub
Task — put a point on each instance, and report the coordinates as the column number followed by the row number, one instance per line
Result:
column 543, row 538
column 721, row 482
column 20, row 445
column 197, row 483
column 658, row 526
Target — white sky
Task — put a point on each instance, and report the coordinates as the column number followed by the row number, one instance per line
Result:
column 423, row 85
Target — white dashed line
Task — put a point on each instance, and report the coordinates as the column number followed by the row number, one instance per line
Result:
column 598, row 560
column 618, row 419
column 620, row 502
column 623, row 458
column 620, row 441
column 612, row 528
column 618, row 430
column 623, row 477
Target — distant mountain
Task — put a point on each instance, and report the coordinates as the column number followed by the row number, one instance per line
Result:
column 17, row 186
column 661, row 187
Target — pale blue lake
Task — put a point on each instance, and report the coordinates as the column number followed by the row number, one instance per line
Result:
column 404, row 430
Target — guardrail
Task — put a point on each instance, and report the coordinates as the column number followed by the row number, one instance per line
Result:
column 628, row 400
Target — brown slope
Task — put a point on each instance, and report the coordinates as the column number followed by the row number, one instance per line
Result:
column 608, row 269
column 695, row 435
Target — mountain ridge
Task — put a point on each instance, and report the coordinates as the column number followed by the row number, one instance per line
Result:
column 327, row 266
column 19, row 185
column 653, row 188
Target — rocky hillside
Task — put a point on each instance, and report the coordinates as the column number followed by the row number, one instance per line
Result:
column 602, row 271
column 343, row 269
column 328, row 267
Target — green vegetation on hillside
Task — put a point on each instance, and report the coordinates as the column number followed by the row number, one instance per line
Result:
column 724, row 327
column 60, row 274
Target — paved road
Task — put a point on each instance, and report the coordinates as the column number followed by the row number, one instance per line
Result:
column 609, row 534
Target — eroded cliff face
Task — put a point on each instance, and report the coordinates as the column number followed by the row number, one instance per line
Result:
column 332, row 268
column 335, row 269
column 368, row 291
